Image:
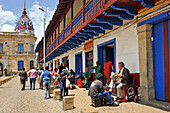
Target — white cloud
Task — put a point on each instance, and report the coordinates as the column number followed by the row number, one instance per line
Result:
column 8, row 28
column 7, row 19
column 37, row 17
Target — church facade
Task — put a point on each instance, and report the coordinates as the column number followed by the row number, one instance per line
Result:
column 17, row 48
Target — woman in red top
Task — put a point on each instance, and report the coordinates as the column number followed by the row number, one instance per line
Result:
column 108, row 66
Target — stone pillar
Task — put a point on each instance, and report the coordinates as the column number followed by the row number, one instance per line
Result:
column 56, row 94
column 51, row 89
column 68, row 103
column 146, row 88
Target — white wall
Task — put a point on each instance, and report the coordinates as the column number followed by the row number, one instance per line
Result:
column 126, row 48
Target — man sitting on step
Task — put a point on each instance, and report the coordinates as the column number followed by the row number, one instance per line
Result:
column 96, row 90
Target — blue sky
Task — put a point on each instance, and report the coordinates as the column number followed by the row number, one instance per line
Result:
column 11, row 10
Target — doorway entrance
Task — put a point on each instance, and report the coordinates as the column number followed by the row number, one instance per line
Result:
column 65, row 60
column 79, row 64
column 107, row 50
column 161, row 60
column 1, row 69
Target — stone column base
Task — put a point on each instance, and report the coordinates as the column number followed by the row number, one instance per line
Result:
column 147, row 93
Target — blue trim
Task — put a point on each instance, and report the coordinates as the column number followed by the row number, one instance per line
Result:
column 77, row 19
column 79, row 53
column 101, row 26
column 120, row 15
column 1, row 46
column 76, row 55
column 129, row 9
column 169, row 50
column 32, row 47
column 67, row 29
column 156, row 19
column 61, row 36
column 26, row 21
column 19, row 22
column 146, row 3
column 56, row 40
column 104, row 44
column 110, row 21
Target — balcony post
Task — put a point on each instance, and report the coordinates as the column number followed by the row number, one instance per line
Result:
column 58, row 32
column 72, row 17
column 64, row 27
column 83, row 11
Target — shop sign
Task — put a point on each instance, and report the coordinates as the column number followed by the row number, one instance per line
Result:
column 88, row 46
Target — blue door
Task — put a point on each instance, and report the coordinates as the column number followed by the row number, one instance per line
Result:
column 158, row 54
column 1, row 69
column 20, row 65
column 102, row 59
column 79, row 64
column 52, row 65
column 107, row 49
column 161, row 60
column 64, row 60
column 31, row 64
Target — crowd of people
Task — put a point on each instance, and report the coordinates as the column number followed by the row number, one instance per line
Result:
column 62, row 77
column 47, row 77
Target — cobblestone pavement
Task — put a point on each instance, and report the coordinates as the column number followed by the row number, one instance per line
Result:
column 13, row 100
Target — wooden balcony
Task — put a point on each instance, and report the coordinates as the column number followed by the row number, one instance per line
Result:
column 94, row 18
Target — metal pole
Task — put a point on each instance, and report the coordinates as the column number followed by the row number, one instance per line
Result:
column 44, row 42
column 11, row 60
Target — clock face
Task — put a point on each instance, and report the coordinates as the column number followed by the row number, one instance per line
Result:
column 22, row 22
column 30, row 23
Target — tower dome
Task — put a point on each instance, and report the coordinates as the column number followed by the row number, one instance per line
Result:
column 24, row 24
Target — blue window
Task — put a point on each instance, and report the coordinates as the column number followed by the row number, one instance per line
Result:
column 20, row 65
column 20, row 47
column 32, row 47
column 31, row 64
column 1, row 47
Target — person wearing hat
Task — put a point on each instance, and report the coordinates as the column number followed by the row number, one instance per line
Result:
column 96, row 90
column 124, row 74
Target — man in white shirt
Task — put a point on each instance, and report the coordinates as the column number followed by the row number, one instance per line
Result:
column 124, row 74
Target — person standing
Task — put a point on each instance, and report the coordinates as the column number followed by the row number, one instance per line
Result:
column 63, row 75
column 52, row 72
column 33, row 74
column 23, row 77
column 46, row 77
column 39, row 74
column 108, row 66
column 72, row 78
column 87, row 76
column 97, row 69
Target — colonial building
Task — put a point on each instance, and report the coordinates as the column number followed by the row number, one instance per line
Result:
column 17, row 48
column 82, row 32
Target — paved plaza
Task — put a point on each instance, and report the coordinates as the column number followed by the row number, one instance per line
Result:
column 13, row 100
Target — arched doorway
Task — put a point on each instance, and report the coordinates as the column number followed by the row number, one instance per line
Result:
column 1, row 69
